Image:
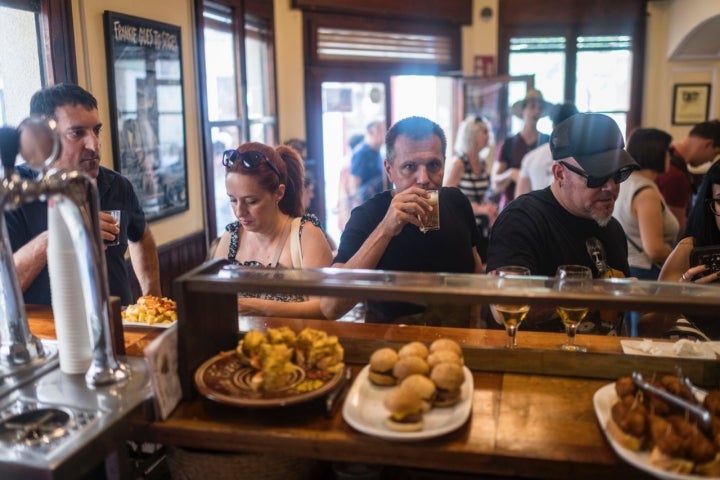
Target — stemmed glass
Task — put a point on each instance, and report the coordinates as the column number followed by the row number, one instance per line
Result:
column 510, row 315
column 572, row 279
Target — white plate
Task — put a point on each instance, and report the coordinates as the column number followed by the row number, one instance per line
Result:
column 364, row 410
column 665, row 349
column 148, row 325
column 603, row 401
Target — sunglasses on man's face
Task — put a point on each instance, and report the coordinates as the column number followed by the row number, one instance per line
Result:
column 250, row 160
column 597, row 182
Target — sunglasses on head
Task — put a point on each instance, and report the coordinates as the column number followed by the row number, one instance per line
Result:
column 250, row 160
column 597, row 182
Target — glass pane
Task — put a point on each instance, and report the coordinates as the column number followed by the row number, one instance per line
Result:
column 21, row 55
column 603, row 80
column 549, row 71
column 260, row 88
column 223, row 138
column 347, row 109
column 220, row 70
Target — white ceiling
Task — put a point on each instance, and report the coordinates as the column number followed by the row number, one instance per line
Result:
column 701, row 43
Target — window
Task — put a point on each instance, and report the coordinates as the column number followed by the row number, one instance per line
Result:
column 25, row 56
column 590, row 52
column 601, row 81
column 238, row 75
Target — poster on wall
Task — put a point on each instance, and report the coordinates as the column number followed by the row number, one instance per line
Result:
column 691, row 102
column 146, row 100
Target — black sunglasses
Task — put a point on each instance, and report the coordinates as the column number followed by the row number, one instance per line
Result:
column 597, row 182
column 250, row 160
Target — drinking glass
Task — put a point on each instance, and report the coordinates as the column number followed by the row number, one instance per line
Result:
column 572, row 279
column 510, row 315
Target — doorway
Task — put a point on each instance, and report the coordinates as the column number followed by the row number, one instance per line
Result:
column 348, row 107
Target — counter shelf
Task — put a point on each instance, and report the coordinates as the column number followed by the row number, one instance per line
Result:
column 532, row 407
column 205, row 294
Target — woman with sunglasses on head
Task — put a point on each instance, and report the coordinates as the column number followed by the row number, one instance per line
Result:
column 265, row 188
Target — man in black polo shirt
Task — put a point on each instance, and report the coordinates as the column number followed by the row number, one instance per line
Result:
column 78, row 124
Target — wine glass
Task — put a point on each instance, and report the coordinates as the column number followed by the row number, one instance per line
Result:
column 509, row 315
column 572, row 279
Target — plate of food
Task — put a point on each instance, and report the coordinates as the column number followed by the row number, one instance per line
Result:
column 637, row 450
column 273, row 369
column 365, row 409
column 150, row 311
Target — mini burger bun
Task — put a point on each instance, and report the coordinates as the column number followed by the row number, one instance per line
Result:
column 402, row 402
column 443, row 356
column 423, row 386
column 382, row 362
column 446, row 344
column 448, row 378
column 406, row 366
column 417, row 349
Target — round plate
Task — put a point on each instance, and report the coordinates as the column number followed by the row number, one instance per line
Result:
column 224, row 379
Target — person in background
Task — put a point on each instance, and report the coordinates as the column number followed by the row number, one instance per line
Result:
column 299, row 145
column 570, row 222
column 506, row 169
column 366, row 165
column 702, row 230
column 383, row 233
column 536, row 169
column 347, row 195
column 307, row 198
column 649, row 225
column 78, row 123
column 701, row 145
column 265, row 188
column 470, row 171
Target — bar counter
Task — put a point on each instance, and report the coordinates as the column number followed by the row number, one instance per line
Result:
column 522, row 425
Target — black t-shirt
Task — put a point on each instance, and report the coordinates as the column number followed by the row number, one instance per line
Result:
column 449, row 249
column 116, row 193
column 535, row 231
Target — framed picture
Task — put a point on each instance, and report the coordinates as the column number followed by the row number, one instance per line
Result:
column 148, row 123
column 691, row 103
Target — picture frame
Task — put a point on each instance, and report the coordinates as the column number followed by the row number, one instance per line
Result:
column 691, row 103
column 145, row 85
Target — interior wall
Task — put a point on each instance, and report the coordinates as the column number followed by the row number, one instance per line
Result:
column 289, row 63
column 92, row 74
column 668, row 23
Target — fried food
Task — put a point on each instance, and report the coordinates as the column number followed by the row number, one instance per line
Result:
column 151, row 310
column 276, row 368
column 316, row 349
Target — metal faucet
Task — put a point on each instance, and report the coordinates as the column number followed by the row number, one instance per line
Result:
column 75, row 195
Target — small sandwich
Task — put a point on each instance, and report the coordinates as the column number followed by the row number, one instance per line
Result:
column 423, row 386
column 448, row 378
column 406, row 366
column 417, row 349
column 406, row 410
column 444, row 356
column 446, row 344
column 382, row 362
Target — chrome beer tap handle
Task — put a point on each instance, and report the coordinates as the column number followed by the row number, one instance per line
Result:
column 18, row 347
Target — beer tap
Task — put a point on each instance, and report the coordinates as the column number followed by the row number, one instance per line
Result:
column 18, row 347
column 75, row 196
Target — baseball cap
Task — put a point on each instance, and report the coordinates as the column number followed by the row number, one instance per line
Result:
column 594, row 141
column 531, row 95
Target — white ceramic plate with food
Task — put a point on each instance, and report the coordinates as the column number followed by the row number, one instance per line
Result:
column 667, row 349
column 603, row 401
column 364, row 411
column 149, row 325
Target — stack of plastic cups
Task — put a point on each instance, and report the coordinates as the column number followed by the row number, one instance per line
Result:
column 68, row 305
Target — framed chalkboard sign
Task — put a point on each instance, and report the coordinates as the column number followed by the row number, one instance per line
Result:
column 146, row 100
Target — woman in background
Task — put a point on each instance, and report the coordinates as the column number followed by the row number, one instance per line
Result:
column 470, row 172
column 265, row 187
column 649, row 225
